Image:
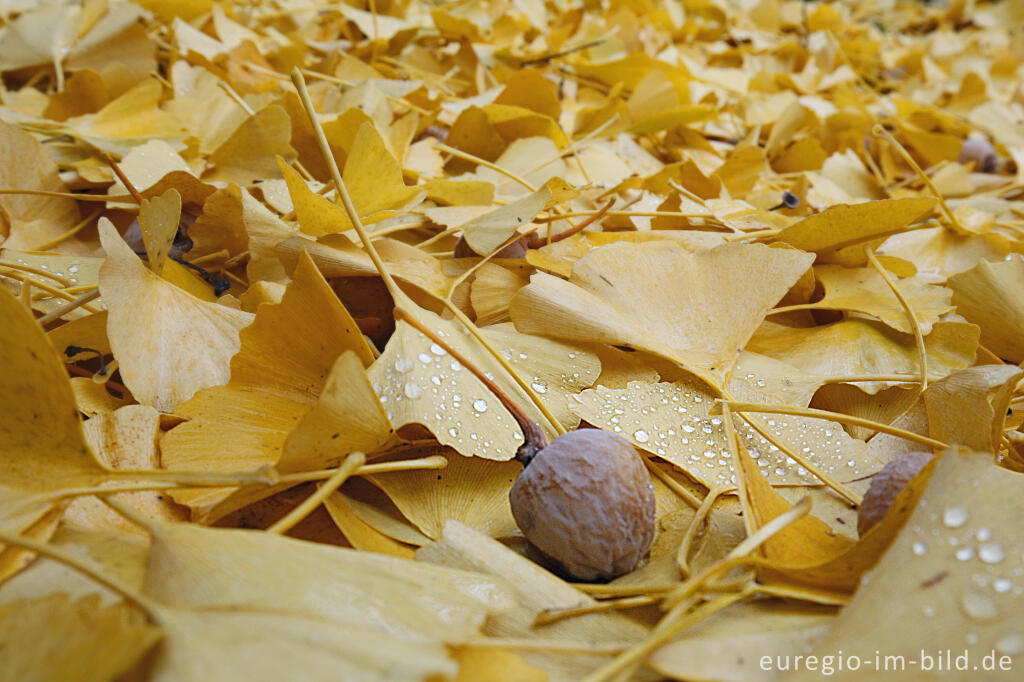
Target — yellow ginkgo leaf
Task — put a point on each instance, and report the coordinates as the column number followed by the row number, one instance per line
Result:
column 54, row 270
column 759, row 629
column 969, row 406
column 492, row 291
column 251, row 151
column 31, row 221
column 674, row 421
column 155, row 167
column 374, row 177
column 337, row 256
column 158, row 222
column 939, row 253
column 830, row 232
column 989, row 295
column 420, row 383
column 485, row 233
column 882, row 406
column 696, row 309
column 495, row 665
column 122, row 555
column 316, row 215
column 222, row 226
column 128, row 121
column 222, row 645
column 347, row 417
column 123, row 439
column 949, row 581
column 470, row 490
column 41, row 440
column 535, row 590
column 55, row 638
column 195, row 566
column 864, row 290
column 863, row 347
column 360, row 534
column 168, row 343
column 42, row 447
column 808, row 552
column 284, row 360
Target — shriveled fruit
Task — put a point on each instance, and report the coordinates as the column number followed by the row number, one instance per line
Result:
column 981, row 152
column 886, row 485
column 586, row 501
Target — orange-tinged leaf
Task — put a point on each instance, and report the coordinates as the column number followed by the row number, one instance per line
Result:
column 808, row 552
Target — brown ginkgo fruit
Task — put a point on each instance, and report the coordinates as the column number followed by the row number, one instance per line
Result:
column 586, row 501
column 886, row 485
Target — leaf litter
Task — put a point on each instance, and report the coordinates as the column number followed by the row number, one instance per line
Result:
column 261, row 259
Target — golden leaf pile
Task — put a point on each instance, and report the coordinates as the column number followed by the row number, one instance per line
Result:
column 773, row 244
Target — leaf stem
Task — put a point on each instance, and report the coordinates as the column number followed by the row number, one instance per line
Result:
column 737, row 406
column 348, row 467
column 880, row 131
column 533, row 437
column 151, row 607
column 922, row 351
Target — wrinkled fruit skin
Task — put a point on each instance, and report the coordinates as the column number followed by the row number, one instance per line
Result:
column 981, row 152
column 886, row 485
column 586, row 501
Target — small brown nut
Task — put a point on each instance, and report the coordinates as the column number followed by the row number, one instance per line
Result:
column 886, row 485
column 587, row 502
column 981, row 152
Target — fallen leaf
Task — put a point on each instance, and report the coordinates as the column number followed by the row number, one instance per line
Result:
column 706, row 307
column 59, row 639
column 965, row 590
column 987, row 295
column 168, row 343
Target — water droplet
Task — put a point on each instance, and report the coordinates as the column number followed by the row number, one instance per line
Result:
column 928, row 610
column 437, row 350
column 1002, row 584
column 641, row 436
column 480, row 405
column 1010, row 645
column 919, row 548
column 983, row 534
column 991, row 553
column 539, row 386
column 412, row 390
column 404, row 364
column 965, row 553
column 425, row 358
column 978, row 605
column 688, row 429
column 453, row 432
column 456, row 365
column 954, row 517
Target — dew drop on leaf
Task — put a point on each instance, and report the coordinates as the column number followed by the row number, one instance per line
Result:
column 954, row 517
column 991, row 553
